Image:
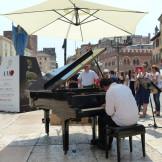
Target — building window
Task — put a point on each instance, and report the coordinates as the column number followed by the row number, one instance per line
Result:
column 156, row 58
column 125, row 62
column 157, row 42
column 153, row 60
column 128, row 62
column 136, row 61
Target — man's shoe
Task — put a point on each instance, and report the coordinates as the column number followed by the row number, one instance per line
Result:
column 154, row 112
column 157, row 113
column 142, row 116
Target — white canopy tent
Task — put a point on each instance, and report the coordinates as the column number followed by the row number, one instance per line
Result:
column 76, row 19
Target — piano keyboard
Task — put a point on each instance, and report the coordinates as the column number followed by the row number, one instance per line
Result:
column 92, row 109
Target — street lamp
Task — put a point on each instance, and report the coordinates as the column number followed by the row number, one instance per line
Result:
column 118, row 43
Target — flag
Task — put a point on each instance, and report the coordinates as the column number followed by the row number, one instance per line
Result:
column 20, row 39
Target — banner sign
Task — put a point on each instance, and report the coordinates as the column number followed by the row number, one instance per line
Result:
column 9, row 84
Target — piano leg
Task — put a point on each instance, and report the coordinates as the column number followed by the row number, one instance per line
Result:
column 65, row 131
column 46, row 120
column 94, row 120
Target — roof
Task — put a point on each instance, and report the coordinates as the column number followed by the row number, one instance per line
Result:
column 155, row 36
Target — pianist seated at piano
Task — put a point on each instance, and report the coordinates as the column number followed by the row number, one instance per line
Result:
column 120, row 109
column 87, row 78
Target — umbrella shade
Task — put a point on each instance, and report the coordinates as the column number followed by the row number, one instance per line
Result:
column 76, row 19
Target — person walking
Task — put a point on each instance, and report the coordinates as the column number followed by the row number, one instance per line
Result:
column 132, row 79
column 156, row 78
column 142, row 92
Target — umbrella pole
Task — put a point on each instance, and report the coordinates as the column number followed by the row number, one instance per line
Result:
column 65, row 50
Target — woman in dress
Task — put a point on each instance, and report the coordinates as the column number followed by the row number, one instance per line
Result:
column 156, row 80
column 142, row 92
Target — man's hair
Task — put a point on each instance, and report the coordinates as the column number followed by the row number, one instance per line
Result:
column 105, row 82
column 112, row 72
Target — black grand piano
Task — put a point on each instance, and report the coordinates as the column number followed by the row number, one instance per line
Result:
column 69, row 104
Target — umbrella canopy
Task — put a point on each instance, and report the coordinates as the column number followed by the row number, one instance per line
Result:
column 76, row 19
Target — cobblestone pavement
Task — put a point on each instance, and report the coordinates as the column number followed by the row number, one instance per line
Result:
column 22, row 139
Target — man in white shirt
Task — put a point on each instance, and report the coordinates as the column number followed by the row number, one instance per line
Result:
column 121, row 108
column 87, row 78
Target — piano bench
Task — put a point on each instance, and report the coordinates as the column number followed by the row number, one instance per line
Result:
column 122, row 132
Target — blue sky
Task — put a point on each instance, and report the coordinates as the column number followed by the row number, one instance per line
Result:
column 146, row 25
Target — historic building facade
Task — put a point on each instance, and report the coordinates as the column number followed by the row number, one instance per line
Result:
column 47, row 59
column 129, row 59
column 126, row 57
column 7, row 48
column 157, row 45
column 32, row 41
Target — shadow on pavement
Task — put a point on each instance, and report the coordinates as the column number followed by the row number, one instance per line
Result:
column 49, row 149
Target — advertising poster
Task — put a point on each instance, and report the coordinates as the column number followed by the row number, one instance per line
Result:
column 29, row 72
column 16, row 75
column 9, row 84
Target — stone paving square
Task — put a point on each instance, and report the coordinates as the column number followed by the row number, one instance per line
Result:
column 22, row 139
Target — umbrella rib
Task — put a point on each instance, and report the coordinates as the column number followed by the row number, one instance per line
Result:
column 89, row 21
column 119, row 10
column 109, row 23
column 80, row 29
column 88, row 16
column 50, row 23
column 69, row 27
column 26, row 12
column 68, row 20
column 71, row 2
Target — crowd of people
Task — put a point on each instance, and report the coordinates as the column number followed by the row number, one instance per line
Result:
column 125, row 92
column 137, row 81
column 142, row 83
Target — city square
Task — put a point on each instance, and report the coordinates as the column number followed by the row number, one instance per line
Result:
column 23, row 139
column 80, row 81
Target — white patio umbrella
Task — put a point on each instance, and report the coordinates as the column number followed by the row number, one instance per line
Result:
column 76, row 19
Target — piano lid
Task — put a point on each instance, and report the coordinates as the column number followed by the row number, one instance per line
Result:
column 61, row 75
